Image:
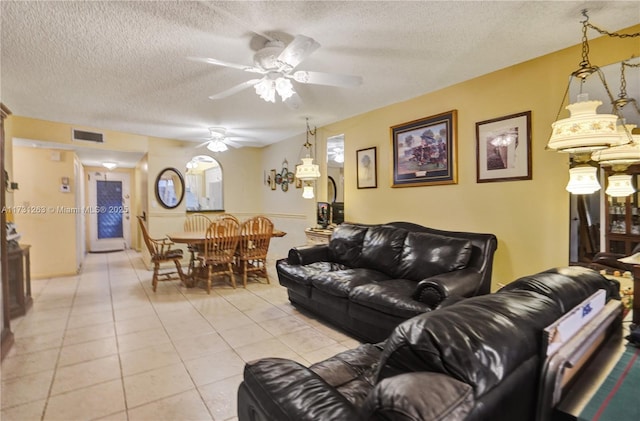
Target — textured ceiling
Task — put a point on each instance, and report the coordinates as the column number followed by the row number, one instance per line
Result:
column 123, row 65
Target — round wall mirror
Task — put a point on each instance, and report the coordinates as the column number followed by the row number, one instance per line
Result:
column 169, row 188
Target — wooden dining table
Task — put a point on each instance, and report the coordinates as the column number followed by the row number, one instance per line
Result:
column 195, row 238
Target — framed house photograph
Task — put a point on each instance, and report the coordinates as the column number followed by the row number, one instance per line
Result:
column 367, row 168
column 272, row 179
column 425, row 151
column 503, row 148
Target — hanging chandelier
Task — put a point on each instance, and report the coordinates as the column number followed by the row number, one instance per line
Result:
column 586, row 131
column 590, row 136
column 308, row 171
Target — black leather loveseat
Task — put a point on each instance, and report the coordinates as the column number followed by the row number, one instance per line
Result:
column 370, row 278
column 477, row 359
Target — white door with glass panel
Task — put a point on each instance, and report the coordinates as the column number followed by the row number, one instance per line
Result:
column 108, row 211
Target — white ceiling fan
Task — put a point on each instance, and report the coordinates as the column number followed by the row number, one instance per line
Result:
column 219, row 140
column 276, row 63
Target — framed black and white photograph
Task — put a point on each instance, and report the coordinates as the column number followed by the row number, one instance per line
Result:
column 425, row 151
column 367, row 168
column 503, row 149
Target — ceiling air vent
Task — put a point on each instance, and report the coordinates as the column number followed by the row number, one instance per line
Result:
column 88, row 136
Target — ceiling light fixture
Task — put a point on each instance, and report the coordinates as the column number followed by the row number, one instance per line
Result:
column 586, row 131
column 110, row 165
column 308, row 171
column 274, row 83
column 216, row 144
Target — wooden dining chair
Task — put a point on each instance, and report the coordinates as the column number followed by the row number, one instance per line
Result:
column 161, row 252
column 219, row 249
column 255, row 236
column 195, row 222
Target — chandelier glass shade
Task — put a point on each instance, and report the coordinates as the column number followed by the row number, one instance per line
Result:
column 620, row 185
column 585, row 130
column 620, row 155
column 308, row 171
column 583, row 179
column 307, row 192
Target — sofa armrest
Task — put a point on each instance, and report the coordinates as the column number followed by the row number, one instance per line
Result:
column 610, row 260
column 423, row 396
column 433, row 291
column 305, row 255
column 285, row 390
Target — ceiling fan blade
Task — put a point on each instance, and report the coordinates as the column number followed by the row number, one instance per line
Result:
column 232, row 143
column 235, row 89
column 330, row 79
column 203, row 144
column 297, row 50
column 294, row 102
column 244, row 67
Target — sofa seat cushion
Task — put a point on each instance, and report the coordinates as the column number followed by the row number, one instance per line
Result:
column 304, row 273
column 391, row 297
column 341, row 282
column 351, row 372
column 419, row 397
column 425, row 255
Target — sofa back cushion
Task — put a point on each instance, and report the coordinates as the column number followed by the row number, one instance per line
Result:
column 345, row 246
column 425, row 254
column 382, row 248
column 567, row 286
column 478, row 341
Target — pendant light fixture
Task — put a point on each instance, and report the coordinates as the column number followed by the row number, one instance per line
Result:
column 586, row 131
column 308, row 171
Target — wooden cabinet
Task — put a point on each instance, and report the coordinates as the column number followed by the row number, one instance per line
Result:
column 318, row 235
column 622, row 230
column 19, row 280
column 6, row 335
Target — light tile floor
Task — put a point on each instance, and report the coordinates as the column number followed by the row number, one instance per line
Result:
column 103, row 346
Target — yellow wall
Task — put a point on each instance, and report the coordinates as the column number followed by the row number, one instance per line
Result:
column 39, row 218
column 530, row 218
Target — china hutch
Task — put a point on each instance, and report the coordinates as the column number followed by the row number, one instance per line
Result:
column 623, row 218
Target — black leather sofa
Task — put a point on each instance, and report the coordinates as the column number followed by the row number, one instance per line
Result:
column 370, row 278
column 477, row 359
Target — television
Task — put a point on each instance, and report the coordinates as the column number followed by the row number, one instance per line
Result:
column 337, row 213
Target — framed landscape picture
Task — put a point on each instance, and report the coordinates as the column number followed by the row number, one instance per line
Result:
column 503, row 149
column 425, row 151
column 366, row 168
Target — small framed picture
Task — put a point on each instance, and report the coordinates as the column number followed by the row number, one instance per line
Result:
column 425, row 151
column 503, row 148
column 367, row 168
column 272, row 179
